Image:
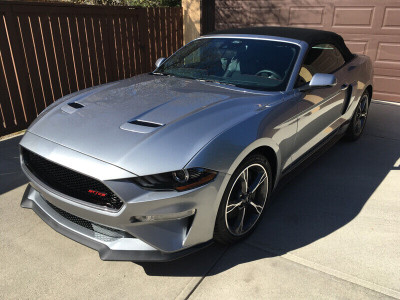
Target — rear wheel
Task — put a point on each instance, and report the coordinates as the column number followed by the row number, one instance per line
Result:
column 357, row 123
column 244, row 200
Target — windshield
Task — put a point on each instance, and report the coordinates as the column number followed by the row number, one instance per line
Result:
column 247, row 63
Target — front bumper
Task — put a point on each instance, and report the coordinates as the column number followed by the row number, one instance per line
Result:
column 188, row 217
column 109, row 248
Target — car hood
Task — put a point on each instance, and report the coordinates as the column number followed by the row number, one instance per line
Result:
column 188, row 115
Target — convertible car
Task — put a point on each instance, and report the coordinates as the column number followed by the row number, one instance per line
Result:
column 158, row 165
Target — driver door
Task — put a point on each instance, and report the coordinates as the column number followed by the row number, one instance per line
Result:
column 319, row 110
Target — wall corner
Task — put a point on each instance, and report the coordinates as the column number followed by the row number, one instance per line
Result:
column 191, row 19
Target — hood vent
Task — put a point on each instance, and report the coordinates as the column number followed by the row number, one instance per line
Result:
column 145, row 123
column 71, row 107
column 75, row 105
column 141, row 126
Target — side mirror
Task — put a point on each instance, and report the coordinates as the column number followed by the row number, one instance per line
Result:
column 320, row 80
column 160, row 61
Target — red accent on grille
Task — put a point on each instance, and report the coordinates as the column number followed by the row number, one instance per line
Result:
column 97, row 193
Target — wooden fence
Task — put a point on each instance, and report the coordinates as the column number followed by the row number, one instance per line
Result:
column 51, row 50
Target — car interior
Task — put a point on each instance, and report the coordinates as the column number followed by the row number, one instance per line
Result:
column 258, row 63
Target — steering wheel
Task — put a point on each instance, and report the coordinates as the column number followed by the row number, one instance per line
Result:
column 269, row 74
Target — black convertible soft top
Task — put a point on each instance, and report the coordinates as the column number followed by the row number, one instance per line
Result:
column 311, row 36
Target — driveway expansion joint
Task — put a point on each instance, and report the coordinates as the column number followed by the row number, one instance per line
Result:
column 332, row 272
column 195, row 282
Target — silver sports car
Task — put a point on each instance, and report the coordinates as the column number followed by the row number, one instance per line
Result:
column 158, row 165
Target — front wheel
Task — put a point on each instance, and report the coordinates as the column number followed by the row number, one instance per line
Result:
column 357, row 123
column 244, row 200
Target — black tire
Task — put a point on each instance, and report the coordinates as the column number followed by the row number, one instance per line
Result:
column 256, row 165
column 359, row 119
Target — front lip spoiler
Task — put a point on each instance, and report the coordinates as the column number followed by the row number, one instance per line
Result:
column 105, row 252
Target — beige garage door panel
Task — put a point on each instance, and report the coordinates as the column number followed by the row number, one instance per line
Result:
column 369, row 27
column 385, row 53
column 386, row 84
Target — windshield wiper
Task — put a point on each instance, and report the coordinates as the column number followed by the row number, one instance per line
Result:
column 160, row 74
column 170, row 75
column 239, row 85
column 216, row 81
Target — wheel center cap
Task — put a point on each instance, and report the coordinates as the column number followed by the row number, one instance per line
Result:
column 246, row 198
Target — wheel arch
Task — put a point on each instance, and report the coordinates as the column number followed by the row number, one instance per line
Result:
column 271, row 156
column 266, row 147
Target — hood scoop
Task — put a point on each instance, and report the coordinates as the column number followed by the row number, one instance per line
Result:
column 141, row 126
column 71, row 107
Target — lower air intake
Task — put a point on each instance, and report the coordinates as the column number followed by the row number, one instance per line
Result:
column 101, row 232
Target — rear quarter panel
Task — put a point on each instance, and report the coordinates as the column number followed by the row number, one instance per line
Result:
column 360, row 73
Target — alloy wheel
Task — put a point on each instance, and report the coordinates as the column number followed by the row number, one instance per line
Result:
column 246, row 199
column 361, row 115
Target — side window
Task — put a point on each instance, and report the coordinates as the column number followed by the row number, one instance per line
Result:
column 322, row 58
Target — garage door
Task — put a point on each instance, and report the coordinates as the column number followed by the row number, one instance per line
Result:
column 368, row 27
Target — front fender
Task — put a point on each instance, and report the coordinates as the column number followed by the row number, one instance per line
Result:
column 274, row 127
column 226, row 151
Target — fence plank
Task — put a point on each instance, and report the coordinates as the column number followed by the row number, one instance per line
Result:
column 112, row 50
column 157, row 27
column 53, row 49
column 86, row 23
column 55, row 31
column 68, row 52
column 168, row 21
column 76, row 52
column 52, row 63
column 140, row 41
column 152, row 37
column 106, row 69
column 83, row 42
column 41, row 60
column 131, row 46
column 180, row 27
column 125, row 46
column 163, row 31
column 118, row 46
column 174, row 29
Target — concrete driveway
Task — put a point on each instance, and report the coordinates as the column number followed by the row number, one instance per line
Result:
column 333, row 231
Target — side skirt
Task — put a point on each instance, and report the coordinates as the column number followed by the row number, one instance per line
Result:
column 311, row 155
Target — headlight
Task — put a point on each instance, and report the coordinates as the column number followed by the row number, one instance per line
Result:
column 180, row 180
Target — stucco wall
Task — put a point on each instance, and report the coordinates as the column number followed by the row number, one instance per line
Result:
column 191, row 20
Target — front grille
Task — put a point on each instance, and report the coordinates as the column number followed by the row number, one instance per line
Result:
column 100, row 232
column 69, row 182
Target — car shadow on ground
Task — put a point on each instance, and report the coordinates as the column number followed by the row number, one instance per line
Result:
column 313, row 201
column 11, row 175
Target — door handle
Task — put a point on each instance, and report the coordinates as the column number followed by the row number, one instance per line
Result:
column 344, row 86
